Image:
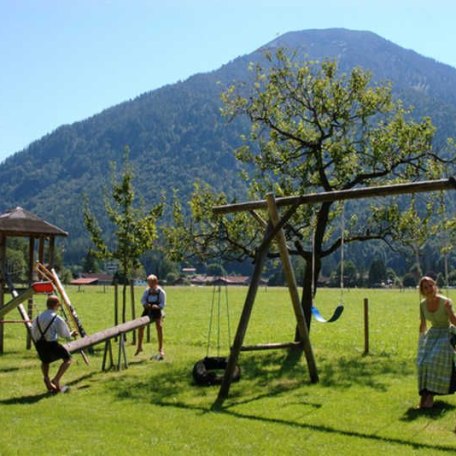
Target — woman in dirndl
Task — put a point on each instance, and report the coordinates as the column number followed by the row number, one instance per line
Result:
column 436, row 355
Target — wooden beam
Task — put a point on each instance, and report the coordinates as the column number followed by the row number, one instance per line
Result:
column 260, row 259
column 101, row 336
column 293, row 289
column 340, row 195
column 52, row 250
column 2, row 285
column 19, row 299
column 272, row 346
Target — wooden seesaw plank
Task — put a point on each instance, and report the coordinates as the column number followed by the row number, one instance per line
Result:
column 106, row 334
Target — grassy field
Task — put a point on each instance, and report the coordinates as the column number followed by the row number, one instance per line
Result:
column 362, row 404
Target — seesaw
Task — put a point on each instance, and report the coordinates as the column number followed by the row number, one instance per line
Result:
column 46, row 287
column 106, row 336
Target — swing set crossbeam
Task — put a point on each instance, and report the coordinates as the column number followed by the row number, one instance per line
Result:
column 341, row 195
column 271, row 346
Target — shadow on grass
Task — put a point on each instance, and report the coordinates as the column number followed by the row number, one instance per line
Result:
column 167, row 391
column 268, row 375
column 9, row 369
column 343, row 372
column 321, row 428
column 440, row 409
column 34, row 398
column 372, row 372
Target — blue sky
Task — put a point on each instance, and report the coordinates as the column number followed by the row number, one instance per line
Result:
column 65, row 60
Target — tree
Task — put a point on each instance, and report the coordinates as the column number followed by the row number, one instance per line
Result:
column 377, row 273
column 134, row 229
column 90, row 263
column 314, row 129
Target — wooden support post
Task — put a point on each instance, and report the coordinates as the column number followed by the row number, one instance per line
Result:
column 133, row 310
column 260, row 258
column 51, row 251
column 2, row 285
column 107, row 352
column 366, row 326
column 116, row 303
column 41, row 250
column 31, row 257
column 122, row 353
column 293, row 289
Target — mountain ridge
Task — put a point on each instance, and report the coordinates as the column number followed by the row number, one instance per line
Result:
column 177, row 136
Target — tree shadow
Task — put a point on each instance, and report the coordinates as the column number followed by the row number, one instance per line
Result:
column 372, row 372
column 166, row 391
column 268, row 375
column 313, row 427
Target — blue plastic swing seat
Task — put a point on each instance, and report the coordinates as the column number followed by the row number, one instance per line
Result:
column 319, row 317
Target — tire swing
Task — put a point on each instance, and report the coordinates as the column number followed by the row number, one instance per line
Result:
column 211, row 369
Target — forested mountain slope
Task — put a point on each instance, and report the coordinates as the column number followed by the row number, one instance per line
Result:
column 176, row 134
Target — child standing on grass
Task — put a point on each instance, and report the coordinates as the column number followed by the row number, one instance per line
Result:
column 153, row 301
column 436, row 368
column 46, row 329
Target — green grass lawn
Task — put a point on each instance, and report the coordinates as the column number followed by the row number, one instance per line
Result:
column 362, row 404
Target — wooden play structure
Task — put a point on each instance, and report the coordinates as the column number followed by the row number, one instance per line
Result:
column 44, row 279
column 274, row 231
column 53, row 285
column 41, row 235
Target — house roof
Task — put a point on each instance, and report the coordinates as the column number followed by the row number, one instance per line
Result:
column 83, row 281
column 229, row 280
column 19, row 222
column 98, row 276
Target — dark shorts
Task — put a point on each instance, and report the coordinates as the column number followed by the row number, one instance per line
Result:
column 49, row 352
column 153, row 314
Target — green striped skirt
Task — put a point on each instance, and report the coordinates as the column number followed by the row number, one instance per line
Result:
column 436, row 368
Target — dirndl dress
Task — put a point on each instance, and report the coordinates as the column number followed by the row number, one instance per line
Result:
column 436, row 362
column 436, row 355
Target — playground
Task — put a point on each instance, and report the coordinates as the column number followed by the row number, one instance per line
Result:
column 362, row 404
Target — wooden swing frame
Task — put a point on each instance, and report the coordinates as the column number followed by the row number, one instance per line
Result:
column 274, row 231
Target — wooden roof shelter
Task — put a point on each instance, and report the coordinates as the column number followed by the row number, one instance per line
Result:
column 19, row 222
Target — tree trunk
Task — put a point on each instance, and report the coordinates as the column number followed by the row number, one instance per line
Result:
column 306, row 297
column 313, row 264
column 124, row 302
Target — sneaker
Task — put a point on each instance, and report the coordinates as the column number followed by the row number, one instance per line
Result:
column 159, row 357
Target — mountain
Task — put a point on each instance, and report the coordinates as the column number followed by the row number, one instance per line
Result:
column 176, row 134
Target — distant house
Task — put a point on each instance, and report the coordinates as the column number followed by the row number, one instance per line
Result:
column 84, row 281
column 222, row 280
column 231, row 280
column 93, row 278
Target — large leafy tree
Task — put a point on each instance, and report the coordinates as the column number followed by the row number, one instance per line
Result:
column 314, row 129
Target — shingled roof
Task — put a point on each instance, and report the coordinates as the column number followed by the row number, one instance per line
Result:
column 19, row 222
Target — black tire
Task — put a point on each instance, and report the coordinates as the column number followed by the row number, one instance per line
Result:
column 210, row 371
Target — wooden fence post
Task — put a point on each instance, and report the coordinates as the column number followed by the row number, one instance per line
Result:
column 366, row 326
